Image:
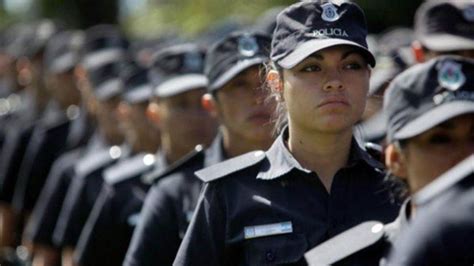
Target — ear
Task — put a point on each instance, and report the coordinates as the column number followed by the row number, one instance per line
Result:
column 418, row 52
column 153, row 113
column 123, row 110
column 209, row 104
column 395, row 161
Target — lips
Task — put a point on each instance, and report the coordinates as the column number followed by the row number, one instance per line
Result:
column 333, row 101
column 260, row 115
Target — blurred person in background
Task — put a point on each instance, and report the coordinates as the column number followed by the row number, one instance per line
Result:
column 236, row 97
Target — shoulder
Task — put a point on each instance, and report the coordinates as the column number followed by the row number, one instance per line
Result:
column 231, row 166
column 97, row 160
column 194, row 159
column 125, row 170
column 346, row 244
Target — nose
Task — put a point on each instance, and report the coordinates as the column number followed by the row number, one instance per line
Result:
column 333, row 81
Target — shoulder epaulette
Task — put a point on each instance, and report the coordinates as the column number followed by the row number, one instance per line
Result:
column 189, row 158
column 96, row 160
column 346, row 244
column 132, row 167
column 230, row 166
column 445, row 181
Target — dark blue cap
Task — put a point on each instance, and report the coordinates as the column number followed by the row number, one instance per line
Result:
column 235, row 53
column 63, row 51
column 106, row 80
column 137, row 88
column 310, row 26
column 103, row 44
column 427, row 95
column 178, row 69
column 445, row 25
column 31, row 38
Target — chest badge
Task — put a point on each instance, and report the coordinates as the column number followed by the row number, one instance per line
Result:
column 268, row 230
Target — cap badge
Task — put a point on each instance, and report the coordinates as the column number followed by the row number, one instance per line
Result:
column 469, row 13
column 193, row 62
column 248, row 46
column 329, row 12
column 450, row 75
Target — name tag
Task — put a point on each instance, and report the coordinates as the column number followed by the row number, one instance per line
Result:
column 268, row 230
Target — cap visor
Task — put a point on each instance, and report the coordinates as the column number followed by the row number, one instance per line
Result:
column 139, row 94
column 312, row 46
column 447, row 42
column 108, row 89
column 94, row 60
column 434, row 117
column 64, row 63
column 235, row 70
column 181, row 84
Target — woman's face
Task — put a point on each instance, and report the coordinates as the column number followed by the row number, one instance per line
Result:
column 242, row 108
column 327, row 91
column 430, row 154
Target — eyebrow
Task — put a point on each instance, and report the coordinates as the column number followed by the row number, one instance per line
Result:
column 346, row 54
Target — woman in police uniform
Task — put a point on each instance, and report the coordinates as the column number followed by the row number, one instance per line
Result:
column 314, row 181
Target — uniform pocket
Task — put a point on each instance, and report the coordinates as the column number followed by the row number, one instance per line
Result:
column 275, row 250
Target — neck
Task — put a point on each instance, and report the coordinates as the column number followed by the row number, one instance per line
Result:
column 172, row 151
column 323, row 153
column 235, row 145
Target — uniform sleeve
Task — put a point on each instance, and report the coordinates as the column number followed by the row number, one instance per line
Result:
column 205, row 239
column 45, row 214
column 156, row 239
column 95, row 238
column 69, row 223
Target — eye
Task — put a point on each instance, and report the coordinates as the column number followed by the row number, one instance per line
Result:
column 440, row 139
column 353, row 66
column 310, row 68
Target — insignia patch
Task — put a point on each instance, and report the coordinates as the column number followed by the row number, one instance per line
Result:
column 268, row 230
column 193, row 62
column 329, row 12
column 450, row 75
column 468, row 13
column 248, row 46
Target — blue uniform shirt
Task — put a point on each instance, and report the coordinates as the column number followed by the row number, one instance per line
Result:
column 265, row 208
column 168, row 209
column 108, row 230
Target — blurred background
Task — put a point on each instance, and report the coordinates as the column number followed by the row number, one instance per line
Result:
column 153, row 18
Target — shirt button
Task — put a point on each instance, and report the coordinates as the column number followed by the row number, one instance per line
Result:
column 270, row 256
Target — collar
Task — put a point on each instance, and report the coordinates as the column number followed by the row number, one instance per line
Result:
column 160, row 161
column 281, row 161
column 215, row 152
column 393, row 229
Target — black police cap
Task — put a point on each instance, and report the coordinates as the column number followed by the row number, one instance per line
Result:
column 106, row 80
column 178, row 69
column 63, row 51
column 427, row 95
column 137, row 88
column 103, row 43
column 445, row 25
column 30, row 39
column 235, row 53
column 310, row 26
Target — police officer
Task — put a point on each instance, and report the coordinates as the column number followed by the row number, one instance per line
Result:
column 236, row 97
column 31, row 97
column 441, row 128
column 99, row 83
column 314, row 181
column 109, row 227
column 62, row 56
column 182, row 126
column 430, row 114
